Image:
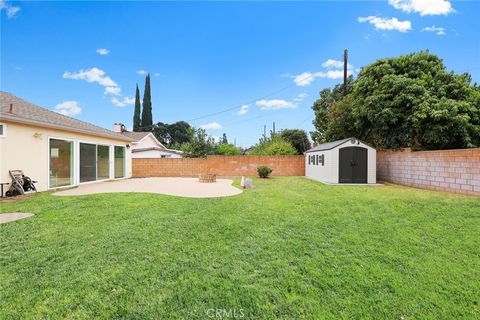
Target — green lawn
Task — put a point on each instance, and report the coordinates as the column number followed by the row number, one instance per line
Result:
column 289, row 248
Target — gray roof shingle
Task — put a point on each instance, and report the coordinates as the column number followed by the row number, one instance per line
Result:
column 26, row 112
column 136, row 135
column 331, row 145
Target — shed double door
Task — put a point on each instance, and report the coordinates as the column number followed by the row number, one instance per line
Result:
column 353, row 165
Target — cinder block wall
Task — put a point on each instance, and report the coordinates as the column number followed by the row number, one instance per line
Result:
column 221, row 165
column 446, row 170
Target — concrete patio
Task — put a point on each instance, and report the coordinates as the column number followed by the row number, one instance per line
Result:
column 182, row 187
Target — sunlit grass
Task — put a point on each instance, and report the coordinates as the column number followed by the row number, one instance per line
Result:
column 288, row 248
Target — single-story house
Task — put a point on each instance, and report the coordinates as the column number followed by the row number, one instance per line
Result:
column 56, row 150
column 343, row 161
column 146, row 145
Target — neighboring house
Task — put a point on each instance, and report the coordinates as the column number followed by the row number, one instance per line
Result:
column 343, row 161
column 146, row 145
column 56, row 150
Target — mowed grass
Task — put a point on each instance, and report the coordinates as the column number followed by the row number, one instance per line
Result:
column 289, row 248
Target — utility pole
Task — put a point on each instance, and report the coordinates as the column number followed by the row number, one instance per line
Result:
column 273, row 127
column 345, row 75
column 264, row 131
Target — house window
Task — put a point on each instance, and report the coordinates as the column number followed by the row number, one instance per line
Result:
column 119, row 156
column 103, row 162
column 61, row 163
column 3, row 130
column 322, row 159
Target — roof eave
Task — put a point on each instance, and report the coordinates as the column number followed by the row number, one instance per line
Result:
column 12, row 118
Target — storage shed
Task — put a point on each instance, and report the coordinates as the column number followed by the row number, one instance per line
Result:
column 343, row 161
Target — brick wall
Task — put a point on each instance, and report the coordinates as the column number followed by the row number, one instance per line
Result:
column 220, row 165
column 446, row 170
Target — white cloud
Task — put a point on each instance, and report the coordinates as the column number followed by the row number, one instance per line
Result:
column 156, row 74
column 306, row 78
column 211, row 126
column 332, row 63
column 103, row 51
column 10, row 10
column 142, row 72
column 423, row 7
column 275, row 104
column 122, row 102
column 91, row 75
column 243, row 110
column 114, row 91
column 300, row 97
column 438, row 30
column 95, row 75
column 68, row 108
column 387, row 24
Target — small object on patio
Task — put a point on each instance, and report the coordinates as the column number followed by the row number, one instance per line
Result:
column 207, row 177
column 242, row 182
column 2, row 184
column 20, row 184
column 248, row 183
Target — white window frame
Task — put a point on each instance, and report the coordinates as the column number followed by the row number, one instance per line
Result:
column 74, row 169
column 124, row 160
column 4, row 133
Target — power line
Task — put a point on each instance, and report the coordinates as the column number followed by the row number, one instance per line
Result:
column 251, row 101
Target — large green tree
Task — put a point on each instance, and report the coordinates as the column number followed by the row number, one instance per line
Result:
column 297, row 138
column 413, row 101
column 137, row 122
column 200, row 145
column 147, row 120
column 407, row 101
column 172, row 135
column 321, row 107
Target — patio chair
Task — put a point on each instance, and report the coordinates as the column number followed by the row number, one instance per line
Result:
column 20, row 183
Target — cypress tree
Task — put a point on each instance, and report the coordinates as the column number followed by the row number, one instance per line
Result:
column 147, row 121
column 137, row 122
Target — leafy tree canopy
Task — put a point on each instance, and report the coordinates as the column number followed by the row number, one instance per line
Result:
column 227, row 149
column 172, row 135
column 199, row 146
column 297, row 138
column 408, row 101
column 275, row 145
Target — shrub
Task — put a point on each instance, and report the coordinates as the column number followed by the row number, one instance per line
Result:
column 264, row 172
column 227, row 149
column 275, row 146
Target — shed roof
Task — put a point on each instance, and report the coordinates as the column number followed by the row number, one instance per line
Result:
column 331, row 145
column 29, row 113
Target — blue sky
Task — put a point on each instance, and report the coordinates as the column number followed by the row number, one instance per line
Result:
column 84, row 58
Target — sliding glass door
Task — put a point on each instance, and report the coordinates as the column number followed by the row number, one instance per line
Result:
column 119, row 162
column 61, row 163
column 103, row 162
column 88, row 162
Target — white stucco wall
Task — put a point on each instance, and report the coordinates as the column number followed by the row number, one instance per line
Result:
column 147, row 142
column 150, row 142
column 154, row 154
column 330, row 171
column 26, row 148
